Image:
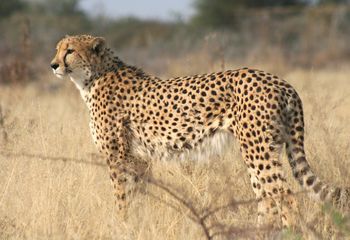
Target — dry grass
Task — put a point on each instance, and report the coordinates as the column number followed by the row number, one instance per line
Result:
column 54, row 186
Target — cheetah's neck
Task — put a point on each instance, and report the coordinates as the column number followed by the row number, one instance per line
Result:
column 85, row 80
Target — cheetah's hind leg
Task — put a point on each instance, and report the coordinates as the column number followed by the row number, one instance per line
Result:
column 276, row 200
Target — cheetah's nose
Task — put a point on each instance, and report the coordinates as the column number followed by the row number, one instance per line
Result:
column 54, row 66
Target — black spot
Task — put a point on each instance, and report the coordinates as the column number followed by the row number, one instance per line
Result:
column 299, row 128
column 300, row 160
column 267, row 156
column 310, row 180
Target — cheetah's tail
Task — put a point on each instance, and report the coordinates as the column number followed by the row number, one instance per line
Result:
column 338, row 197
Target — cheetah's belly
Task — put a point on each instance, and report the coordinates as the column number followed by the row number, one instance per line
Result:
column 210, row 146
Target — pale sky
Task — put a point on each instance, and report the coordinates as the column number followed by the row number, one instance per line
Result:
column 145, row 9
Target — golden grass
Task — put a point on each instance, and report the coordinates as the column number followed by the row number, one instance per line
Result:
column 53, row 186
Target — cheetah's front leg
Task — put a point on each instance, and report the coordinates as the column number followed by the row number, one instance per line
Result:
column 119, row 178
column 125, row 172
column 120, row 170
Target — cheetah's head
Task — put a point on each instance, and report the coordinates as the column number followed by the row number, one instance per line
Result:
column 78, row 57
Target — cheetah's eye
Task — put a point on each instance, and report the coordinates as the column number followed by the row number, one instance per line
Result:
column 69, row 51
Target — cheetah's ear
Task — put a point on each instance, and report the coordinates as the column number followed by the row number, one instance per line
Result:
column 98, row 44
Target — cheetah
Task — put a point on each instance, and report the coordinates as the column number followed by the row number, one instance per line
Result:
column 135, row 117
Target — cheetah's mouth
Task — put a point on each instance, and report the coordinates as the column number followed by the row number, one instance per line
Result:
column 58, row 74
column 61, row 74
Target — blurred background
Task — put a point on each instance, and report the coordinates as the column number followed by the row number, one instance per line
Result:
column 170, row 38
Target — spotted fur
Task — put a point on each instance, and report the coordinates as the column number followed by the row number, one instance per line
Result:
column 135, row 116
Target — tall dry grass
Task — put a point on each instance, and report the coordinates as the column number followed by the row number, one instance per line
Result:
column 54, row 185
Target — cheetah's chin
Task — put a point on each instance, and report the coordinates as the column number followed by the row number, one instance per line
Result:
column 59, row 75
